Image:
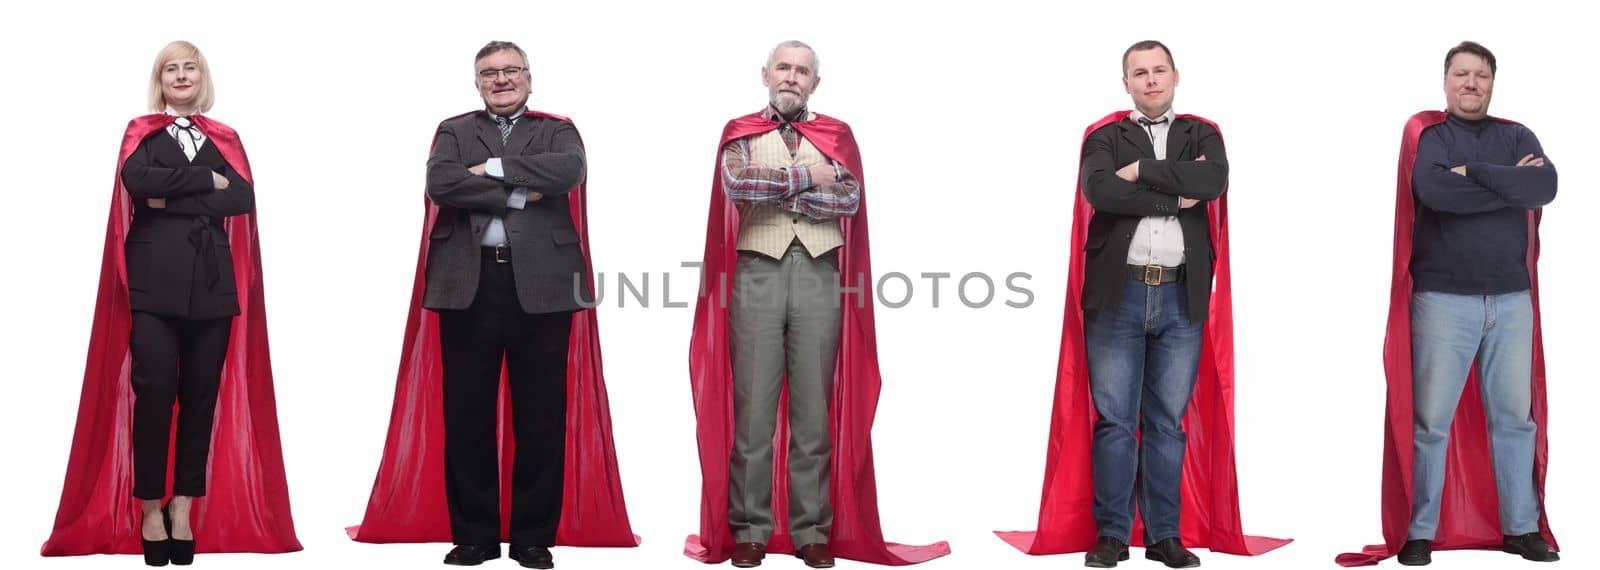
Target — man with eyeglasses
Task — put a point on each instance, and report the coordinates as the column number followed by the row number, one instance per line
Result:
column 503, row 269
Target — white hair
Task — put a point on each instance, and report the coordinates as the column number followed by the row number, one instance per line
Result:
column 816, row 62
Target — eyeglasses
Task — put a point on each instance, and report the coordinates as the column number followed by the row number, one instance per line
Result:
column 492, row 74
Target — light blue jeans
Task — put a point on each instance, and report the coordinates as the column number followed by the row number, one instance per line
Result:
column 1448, row 332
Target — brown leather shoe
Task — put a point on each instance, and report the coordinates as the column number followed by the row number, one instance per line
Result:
column 816, row 555
column 748, row 554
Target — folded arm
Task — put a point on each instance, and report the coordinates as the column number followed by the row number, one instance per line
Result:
column 143, row 179
column 1202, row 179
column 450, row 183
column 1108, row 192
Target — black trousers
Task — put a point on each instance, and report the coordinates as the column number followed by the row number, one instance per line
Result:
column 174, row 360
column 534, row 348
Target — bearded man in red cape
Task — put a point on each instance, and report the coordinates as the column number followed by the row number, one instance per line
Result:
column 1146, row 342
column 1465, row 447
column 784, row 365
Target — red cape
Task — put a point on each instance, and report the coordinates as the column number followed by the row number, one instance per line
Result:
column 856, row 533
column 246, row 490
column 408, row 502
column 1469, row 517
column 1210, row 516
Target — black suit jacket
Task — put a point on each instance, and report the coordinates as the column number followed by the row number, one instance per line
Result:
column 542, row 155
column 178, row 259
column 1119, row 204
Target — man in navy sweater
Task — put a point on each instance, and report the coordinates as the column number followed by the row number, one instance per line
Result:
column 1475, row 179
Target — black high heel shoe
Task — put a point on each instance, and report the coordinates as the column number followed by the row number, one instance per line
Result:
column 181, row 552
column 156, row 552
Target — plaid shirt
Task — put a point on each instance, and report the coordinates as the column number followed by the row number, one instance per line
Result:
column 790, row 189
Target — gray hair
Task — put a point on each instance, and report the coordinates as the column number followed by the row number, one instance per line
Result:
column 816, row 62
column 497, row 46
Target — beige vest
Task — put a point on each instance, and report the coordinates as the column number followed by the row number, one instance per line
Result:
column 768, row 229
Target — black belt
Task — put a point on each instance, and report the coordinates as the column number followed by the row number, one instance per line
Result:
column 499, row 253
column 1153, row 275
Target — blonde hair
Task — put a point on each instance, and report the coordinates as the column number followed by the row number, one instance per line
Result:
column 180, row 50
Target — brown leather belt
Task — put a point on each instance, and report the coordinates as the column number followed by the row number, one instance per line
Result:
column 1153, row 275
column 499, row 253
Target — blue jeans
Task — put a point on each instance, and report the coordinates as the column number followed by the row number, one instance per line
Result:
column 1447, row 332
column 1143, row 356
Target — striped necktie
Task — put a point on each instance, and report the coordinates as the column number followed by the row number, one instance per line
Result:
column 505, row 128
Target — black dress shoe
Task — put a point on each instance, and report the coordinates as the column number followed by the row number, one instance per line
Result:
column 1418, row 553
column 532, row 556
column 156, row 552
column 1106, row 553
column 181, row 551
column 471, row 554
column 1530, row 546
column 1172, row 553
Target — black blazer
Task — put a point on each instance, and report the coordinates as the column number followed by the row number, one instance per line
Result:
column 1119, row 204
column 179, row 264
column 542, row 155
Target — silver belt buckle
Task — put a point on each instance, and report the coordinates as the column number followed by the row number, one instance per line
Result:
column 502, row 253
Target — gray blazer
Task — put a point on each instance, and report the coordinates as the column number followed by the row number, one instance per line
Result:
column 542, row 155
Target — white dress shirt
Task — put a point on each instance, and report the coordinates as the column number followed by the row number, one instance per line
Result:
column 495, row 234
column 188, row 137
column 1159, row 239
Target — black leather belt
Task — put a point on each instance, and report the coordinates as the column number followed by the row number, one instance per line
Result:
column 1153, row 275
column 499, row 253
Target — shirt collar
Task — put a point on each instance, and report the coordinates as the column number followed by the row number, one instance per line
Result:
column 1136, row 115
column 771, row 114
column 184, row 118
column 1452, row 118
column 513, row 118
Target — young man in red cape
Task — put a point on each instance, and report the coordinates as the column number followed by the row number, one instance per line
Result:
column 246, row 505
column 500, row 397
column 1463, row 341
column 783, row 361
column 1149, row 229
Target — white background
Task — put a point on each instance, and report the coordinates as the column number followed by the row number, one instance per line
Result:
column 969, row 117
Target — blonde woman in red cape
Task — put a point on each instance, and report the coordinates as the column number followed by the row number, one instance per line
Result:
column 179, row 320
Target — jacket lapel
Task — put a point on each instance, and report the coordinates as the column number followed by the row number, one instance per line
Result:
column 168, row 150
column 489, row 133
column 521, row 135
column 1179, row 137
column 1136, row 136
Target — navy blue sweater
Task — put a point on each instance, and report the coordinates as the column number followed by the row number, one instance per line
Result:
column 1471, row 235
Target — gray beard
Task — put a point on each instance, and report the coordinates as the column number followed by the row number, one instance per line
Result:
column 787, row 104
